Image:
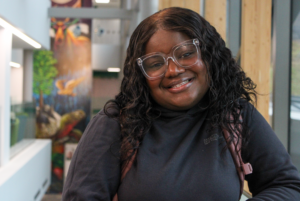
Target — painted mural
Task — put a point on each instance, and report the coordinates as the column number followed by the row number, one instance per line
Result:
column 62, row 86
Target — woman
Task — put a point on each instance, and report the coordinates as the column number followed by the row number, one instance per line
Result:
column 181, row 88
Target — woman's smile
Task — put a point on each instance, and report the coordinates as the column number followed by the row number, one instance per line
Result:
column 180, row 85
column 180, row 88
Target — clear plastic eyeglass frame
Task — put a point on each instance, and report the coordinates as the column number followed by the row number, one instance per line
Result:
column 166, row 57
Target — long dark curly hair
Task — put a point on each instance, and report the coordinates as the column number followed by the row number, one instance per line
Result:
column 227, row 81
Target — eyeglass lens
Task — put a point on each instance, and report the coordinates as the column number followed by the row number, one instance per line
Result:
column 185, row 55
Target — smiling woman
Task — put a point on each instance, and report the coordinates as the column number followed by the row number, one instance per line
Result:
column 163, row 135
column 184, row 81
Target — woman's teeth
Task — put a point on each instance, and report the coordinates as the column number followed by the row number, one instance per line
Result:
column 180, row 84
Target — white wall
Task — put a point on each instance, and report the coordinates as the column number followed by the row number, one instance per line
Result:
column 5, row 58
column 27, row 175
column 16, row 77
column 31, row 16
column 16, row 85
column 106, row 48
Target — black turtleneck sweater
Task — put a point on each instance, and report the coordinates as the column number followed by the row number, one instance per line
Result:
column 179, row 160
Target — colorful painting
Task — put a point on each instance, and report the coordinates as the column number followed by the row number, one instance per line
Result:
column 62, row 86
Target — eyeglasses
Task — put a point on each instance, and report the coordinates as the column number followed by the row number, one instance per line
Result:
column 155, row 65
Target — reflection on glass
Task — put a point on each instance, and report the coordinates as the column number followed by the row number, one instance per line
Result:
column 22, row 111
column 295, row 93
column 22, row 118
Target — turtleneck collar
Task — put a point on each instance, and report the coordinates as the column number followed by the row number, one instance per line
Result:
column 201, row 106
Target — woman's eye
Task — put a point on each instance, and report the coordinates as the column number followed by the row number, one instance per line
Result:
column 185, row 55
column 156, row 65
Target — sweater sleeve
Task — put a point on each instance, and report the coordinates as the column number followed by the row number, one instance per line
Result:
column 274, row 176
column 94, row 173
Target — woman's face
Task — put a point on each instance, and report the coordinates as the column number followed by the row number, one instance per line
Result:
column 179, row 88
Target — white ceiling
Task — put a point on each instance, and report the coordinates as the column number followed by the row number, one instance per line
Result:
column 20, row 44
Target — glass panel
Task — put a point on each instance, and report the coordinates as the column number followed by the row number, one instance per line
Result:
column 22, row 114
column 22, row 126
column 295, row 93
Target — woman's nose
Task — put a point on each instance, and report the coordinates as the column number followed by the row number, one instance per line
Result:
column 173, row 69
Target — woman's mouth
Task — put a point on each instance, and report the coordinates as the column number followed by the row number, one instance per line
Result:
column 180, row 86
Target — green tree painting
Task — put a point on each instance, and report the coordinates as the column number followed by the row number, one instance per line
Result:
column 44, row 73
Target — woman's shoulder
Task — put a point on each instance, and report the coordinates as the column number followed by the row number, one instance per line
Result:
column 103, row 116
column 104, row 123
column 247, row 108
column 110, row 113
column 245, row 104
column 95, row 164
column 104, row 119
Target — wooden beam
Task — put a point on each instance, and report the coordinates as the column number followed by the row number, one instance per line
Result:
column 256, row 48
column 215, row 14
column 193, row 5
